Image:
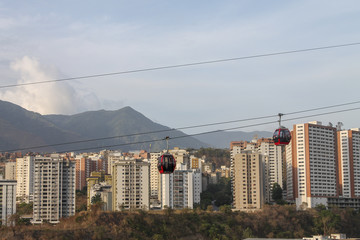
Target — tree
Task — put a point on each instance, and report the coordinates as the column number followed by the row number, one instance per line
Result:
column 225, row 209
column 276, row 193
column 96, row 199
column 24, row 208
column 326, row 220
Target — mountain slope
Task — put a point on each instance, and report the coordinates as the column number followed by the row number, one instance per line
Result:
column 21, row 128
column 125, row 121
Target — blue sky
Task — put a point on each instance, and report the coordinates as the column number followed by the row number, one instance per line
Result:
column 42, row 40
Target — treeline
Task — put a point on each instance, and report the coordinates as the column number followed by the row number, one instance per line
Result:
column 219, row 157
column 271, row 222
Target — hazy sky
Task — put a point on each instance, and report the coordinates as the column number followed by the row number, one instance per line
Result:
column 43, row 40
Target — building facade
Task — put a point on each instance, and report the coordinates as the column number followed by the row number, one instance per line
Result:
column 54, row 188
column 273, row 165
column 131, row 184
column 10, row 170
column 248, row 181
column 100, row 183
column 154, row 176
column 25, row 178
column 349, row 162
column 181, row 189
column 7, row 200
column 314, row 161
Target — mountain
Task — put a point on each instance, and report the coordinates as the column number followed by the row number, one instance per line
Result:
column 124, row 122
column 223, row 139
column 21, row 128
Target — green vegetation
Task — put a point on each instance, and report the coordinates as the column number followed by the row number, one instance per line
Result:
column 272, row 222
column 96, row 199
column 277, row 194
column 220, row 193
column 81, row 200
column 219, row 157
column 24, row 208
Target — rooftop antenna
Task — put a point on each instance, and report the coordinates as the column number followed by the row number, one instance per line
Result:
column 339, row 125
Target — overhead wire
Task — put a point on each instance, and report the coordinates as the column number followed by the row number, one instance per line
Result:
column 181, row 65
column 214, row 131
column 201, row 133
column 179, row 128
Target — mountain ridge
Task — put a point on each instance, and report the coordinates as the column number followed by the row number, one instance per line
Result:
column 21, row 127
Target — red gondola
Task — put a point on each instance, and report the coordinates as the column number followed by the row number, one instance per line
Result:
column 282, row 135
column 166, row 162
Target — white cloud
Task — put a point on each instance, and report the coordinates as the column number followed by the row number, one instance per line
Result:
column 48, row 98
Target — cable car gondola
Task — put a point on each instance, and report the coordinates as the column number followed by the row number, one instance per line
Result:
column 166, row 162
column 281, row 135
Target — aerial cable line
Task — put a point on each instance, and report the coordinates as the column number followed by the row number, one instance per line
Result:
column 215, row 131
column 143, row 133
column 209, row 132
column 182, row 128
column 176, row 137
column 182, row 65
column 322, row 108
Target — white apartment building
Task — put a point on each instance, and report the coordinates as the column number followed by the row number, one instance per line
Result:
column 349, row 162
column 10, row 170
column 289, row 172
column 131, row 184
column 273, row 166
column 113, row 157
column 314, row 164
column 54, row 188
column 181, row 189
column 25, row 178
column 7, row 200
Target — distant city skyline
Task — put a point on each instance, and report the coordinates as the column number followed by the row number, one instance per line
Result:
column 44, row 41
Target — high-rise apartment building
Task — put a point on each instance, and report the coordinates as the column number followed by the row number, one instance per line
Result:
column 54, row 188
column 25, row 178
column 314, row 163
column 248, row 181
column 82, row 171
column 131, row 184
column 272, row 160
column 273, row 165
column 154, row 176
column 349, row 162
column 290, row 170
column 113, row 157
column 181, row 189
column 7, row 200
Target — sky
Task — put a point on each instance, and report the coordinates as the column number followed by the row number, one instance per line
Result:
column 46, row 40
